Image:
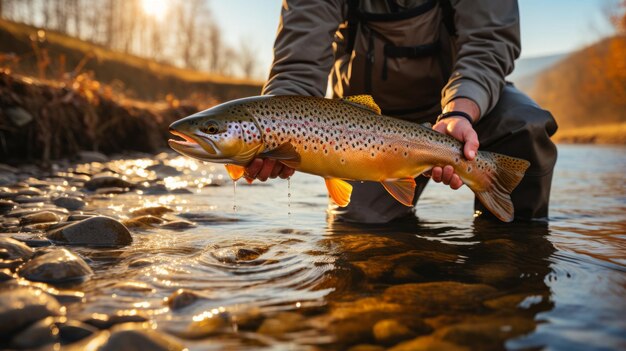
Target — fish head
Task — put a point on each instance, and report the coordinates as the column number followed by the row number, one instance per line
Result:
column 226, row 133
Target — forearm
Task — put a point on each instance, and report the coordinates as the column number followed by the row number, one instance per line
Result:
column 303, row 55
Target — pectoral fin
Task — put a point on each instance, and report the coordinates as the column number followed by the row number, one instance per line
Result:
column 339, row 190
column 235, row 172
column 285, row 154
column 402, row 190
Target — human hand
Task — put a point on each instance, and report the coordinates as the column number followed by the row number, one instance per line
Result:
column 264, row 168
column 462, row 130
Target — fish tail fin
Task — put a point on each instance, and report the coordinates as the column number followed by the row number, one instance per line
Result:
column 508, row 172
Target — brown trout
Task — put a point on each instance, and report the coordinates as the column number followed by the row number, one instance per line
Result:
column 342, row 139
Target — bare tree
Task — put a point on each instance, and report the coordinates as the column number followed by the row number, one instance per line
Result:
column 247, row 58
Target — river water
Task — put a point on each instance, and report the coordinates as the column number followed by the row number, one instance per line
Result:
column 276, row 274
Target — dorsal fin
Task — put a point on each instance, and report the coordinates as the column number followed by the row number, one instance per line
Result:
column 363, row 101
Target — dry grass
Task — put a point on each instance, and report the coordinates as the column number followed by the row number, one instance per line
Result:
column 602, row 134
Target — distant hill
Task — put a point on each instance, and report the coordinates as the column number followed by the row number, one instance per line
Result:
column 586, row 88
column 528, row 69
column 141, row 78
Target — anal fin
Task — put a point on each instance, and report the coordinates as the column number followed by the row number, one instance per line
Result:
column 234, row 172
column 402, row 190
column 339, row 190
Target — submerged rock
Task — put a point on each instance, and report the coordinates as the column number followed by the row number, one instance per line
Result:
column 427, row 343
column 103, row 321
column 391, row 331
column 6, row 206
column 15, row 249
column 284, row 322
column 92, row 156
column 22, row 306
column 94, row 231
column 69, row 202
column 56, row 266
column 128, row 337
column 146, row 221
column 182, row 298
column 38, row 334
column 178, row 225
column 72, row 331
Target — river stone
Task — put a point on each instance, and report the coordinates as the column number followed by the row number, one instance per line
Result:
column 436, row 297
column 128, row 337
column 107, row 181
column 15, row 249
column 201, row 328
column 40, row 217
column 30, row 192
column 163, row 170
column 178, row 225
column 366, row 347
column 103, row 321
column 146, row 221
column 92, row 156
column 182, row 298
column 94, row 231
column 391, row 331
column 111, row 190
column 38, row 334
column 6, row 206
column 22, row 306
column 284, row 322
column 56, row 266
column 69, row 202
column 157, row 211
column 6, row 275
column 487, row 333
column 26, row 199
column 72, row 331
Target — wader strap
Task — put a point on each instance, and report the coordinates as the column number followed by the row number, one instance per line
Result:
column 353, row 23
column 447, row 12
column 369, row 63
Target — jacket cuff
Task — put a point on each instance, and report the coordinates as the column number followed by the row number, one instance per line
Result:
column 469, row 89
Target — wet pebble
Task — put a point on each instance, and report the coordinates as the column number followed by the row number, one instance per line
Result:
column 111, row 190
column 488, row 333
column 107, row 181
column 22, row 306
column 284, row 322
column 146, row 221
column 427, row 343
column 79, row 217
column 32, row 240
column 38, row 334
column 201, row 328
column 72, row 331
column 182, row 298
column 94, row 231
column 56, row 266
column 236, row 254
column 69, row 202
column 6, row 275
column 6, row 206
column 128, row 337
column 178, row 225
column 13, row 249
column 140, row 262
column 103, row 321
column 40, row 217
column 26, row 199
column 393, row 331
column 157, row 211
column 164, row 170
column 366, row 347
column 30, row 192
column 92, row 156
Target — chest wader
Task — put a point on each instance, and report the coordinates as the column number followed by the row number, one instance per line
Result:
column 404, row 59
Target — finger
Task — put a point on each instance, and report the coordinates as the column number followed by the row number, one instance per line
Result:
column 276, row 171
column 456, row 182
column 436, row 174
column 471, row 143
column 254, row 167
column 447, row 174
column 264, row 173
column 287, row 172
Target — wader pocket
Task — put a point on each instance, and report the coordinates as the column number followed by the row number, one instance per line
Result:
column 398, row 59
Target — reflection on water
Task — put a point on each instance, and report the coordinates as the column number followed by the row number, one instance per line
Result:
column 275, row 274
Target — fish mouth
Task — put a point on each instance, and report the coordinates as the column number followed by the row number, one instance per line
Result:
column 193, row 146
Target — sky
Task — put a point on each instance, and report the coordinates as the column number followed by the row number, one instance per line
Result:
column 548, row 26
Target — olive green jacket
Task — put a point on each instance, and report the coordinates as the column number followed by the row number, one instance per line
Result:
column 310, row 44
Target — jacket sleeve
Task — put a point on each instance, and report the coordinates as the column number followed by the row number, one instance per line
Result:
column 487, row 43
column 303, row 54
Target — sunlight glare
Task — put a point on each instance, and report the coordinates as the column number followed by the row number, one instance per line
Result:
column 155, row 8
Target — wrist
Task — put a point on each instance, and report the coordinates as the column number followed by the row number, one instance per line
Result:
column 464, row 105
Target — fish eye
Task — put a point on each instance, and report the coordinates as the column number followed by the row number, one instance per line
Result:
column 210, row 128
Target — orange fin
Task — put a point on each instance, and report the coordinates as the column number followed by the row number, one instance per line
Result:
column 402, row 190
column 235, row 172
column 363, row 101
column 285, row 154
column 339, row 190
